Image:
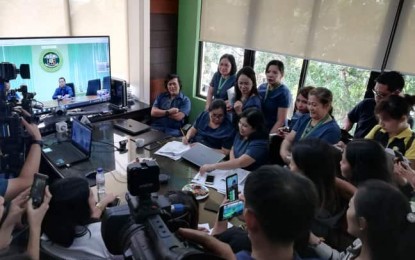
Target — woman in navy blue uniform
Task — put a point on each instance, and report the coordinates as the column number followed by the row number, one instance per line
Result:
column 250, row 146
column 317, row 124
column 222, row 80
column 246, row 93
column 212, row 128
column 170, row 108
column 276, row 97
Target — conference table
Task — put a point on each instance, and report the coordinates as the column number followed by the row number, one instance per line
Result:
column 104, row 154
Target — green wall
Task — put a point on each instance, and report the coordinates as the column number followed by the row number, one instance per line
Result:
column 188, row 52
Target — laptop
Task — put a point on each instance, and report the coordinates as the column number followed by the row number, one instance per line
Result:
column 77, row 150
column 200, row 154
column 131, row 126
column 153, row 136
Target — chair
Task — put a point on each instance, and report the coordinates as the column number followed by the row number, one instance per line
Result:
column 106, row 82
column 93, row 86
column 72, row 86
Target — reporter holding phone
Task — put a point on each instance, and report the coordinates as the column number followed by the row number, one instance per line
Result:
column 212, row 128
column 250, row 145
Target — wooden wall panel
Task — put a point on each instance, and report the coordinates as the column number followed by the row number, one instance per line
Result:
column 163, row 43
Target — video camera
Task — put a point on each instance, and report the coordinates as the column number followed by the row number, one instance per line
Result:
column 12, row 143
column 138, row 230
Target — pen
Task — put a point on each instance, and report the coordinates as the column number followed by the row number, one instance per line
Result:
column 181, row 130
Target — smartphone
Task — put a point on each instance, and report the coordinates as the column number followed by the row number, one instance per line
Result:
column 231, row 209
column 38, row 189
column 399, row 156
column 210, row 179
column 232, row 187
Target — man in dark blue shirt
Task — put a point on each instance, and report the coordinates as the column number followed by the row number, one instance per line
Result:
column 388, row 83
column 279, row 208
column 63, row 91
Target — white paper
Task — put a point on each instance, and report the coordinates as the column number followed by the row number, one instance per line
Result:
column 220, row 179
column 173, row 150
column 231, row 94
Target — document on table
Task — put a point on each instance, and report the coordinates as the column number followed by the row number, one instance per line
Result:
column 173, row 150
column 220, row 179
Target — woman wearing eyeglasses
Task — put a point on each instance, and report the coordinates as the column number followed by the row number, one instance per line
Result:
column 393, row 130
column 212, row 128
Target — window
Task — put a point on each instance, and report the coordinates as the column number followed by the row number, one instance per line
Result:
column 347, row 84
column 210, row 60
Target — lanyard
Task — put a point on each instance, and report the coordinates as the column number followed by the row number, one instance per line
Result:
column 309, row 129
column 268, row 90
column 221, row 85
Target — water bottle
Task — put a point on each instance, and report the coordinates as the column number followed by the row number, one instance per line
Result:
column 100, row 181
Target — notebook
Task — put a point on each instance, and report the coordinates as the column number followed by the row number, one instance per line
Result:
column 131, row 126
column 77, row 150
column 200, row 154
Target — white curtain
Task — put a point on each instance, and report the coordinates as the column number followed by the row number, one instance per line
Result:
column 348, row 32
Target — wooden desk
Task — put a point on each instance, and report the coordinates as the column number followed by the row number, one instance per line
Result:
column 115, row 164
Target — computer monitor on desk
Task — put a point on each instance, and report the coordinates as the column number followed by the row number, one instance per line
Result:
column 118, row 94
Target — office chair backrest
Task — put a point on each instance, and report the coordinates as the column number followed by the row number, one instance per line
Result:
column 93, row 86
column 106, row 82
column 72, row 86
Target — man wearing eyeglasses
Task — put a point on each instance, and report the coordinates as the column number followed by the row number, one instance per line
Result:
column 388, row 83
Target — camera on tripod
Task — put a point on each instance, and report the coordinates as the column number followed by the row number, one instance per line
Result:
column 139, row 230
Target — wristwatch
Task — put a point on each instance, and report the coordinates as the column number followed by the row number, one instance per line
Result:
column 167, row 113
column 39, row 142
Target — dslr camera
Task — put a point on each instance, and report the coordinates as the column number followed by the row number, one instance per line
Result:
column 138, row 230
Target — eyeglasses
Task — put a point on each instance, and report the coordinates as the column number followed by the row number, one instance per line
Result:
column 217, row 116
column 379, row 94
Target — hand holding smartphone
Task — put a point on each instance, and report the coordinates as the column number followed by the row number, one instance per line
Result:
column 232, row 187
column 37, row 192
column 231, row 209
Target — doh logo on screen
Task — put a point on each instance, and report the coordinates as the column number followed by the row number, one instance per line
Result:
column 51, row 60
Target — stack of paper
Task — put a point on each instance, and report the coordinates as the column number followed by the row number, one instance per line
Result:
column 173, row 150
column 220, row 179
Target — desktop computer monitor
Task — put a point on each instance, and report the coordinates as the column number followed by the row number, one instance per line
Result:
column 78, row 59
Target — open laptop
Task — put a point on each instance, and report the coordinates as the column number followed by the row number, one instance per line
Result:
column 131, row 126
column 78, row 149
column 200, row 154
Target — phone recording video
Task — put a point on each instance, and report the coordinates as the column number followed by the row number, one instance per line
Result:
column 231, row 209
column 232, row 187
column 37, row 192
column 210, row 179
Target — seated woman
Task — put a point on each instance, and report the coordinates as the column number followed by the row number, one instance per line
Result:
column 246, row 93
column 318, row 124
column 212, row 128
column 363, row 160
column 250, row 146
column 170, row 108
column 380, row 217
column 70, row 227
column 313, row 159
column 393, row 130
column 301, row 105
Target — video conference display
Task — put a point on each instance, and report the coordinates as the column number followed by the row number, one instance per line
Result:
column 77, row 59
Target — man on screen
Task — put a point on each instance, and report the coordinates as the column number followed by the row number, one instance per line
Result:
column 63, row 91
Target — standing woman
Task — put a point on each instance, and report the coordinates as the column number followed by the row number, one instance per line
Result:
column 276, row 97
column 222, row 80
column 170, row 108
column 246, row 93
column 250, row 146
column 317, row 124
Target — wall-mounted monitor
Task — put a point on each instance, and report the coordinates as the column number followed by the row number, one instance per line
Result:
column 83, row 61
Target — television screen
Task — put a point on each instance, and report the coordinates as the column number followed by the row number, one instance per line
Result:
column 83, row 61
